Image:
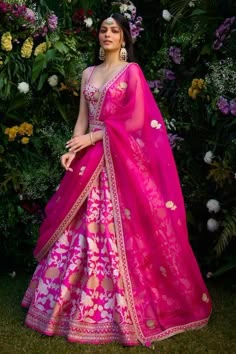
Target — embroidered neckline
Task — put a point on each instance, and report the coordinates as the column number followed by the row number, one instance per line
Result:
column 106, row 83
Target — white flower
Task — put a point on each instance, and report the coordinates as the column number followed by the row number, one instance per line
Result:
column 88, row 21
column 209, row 275
column 212, row 225
column 127, row 15
column 155, row 124
column 13, row 274
column 131, row 8
column 53, row 80
column 123, row 8
column 23, row 87
column 191, row 4
column 166, row 15
column 156, row 90
column 208, row 157
column 213, row 205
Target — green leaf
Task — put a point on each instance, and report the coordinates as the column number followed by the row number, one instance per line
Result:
column 61, row 47
column 16, row 103
column 198, row 12
column 42, row 80
column 40, row 63
column 51, row 54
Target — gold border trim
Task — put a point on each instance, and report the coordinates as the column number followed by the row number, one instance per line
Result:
column 120, row 238
column 105, row 89
column 66, row 221
column 124, row 264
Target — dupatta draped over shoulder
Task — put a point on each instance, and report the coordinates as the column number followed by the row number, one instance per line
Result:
column 164, row 287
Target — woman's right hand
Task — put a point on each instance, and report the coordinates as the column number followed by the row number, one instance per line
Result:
column 66, row 160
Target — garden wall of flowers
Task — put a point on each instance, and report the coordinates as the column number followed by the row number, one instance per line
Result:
column 188, row 56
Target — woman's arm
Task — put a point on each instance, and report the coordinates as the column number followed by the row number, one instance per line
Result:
column 81, row 124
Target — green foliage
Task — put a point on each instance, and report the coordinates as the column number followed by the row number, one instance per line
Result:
column 187, row 88
column 228, row 233
column 199, row 120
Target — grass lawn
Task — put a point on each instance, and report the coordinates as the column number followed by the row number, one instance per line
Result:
column 218, row 337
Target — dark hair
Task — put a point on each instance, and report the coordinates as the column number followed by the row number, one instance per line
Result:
column 124, row 25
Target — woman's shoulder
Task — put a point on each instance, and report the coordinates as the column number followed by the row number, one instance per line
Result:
column 134, row 67
column 87, row 71
column 134, row 70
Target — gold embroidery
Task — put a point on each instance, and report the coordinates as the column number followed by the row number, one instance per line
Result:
column 107, row 284
column 127, row 214
column 82, row 169
column 122, row 85
column 155, row 124
column 93, row 282
column 171, row 205
column 74, row 277
column 52, row 272
column 205, row 298
column 111, row 228
column 151, row 324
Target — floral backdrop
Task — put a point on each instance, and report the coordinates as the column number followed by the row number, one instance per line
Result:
column 187, row 50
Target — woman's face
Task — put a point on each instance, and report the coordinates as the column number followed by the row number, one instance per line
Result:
column 110, row 35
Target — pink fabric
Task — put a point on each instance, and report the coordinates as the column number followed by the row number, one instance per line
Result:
column 163, row 286
column 77, row 290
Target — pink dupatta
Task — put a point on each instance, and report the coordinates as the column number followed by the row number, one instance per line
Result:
column 164, row 287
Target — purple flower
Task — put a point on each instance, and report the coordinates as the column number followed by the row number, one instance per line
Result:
column 30, row 15
column 223, row 31
column 174, row 139
column 169, row 74
column 217, row 44
column 175, row 54
column 52, row 22
column 223, row 105
column 232, row 104
column 155, row 84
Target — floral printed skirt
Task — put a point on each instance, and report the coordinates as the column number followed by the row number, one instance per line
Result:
column 77, row 289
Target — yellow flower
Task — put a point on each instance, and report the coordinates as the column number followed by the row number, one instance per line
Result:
column 12, row 132
column 25, row 128
column 27, row 47
column 201, row 84
column 25, row 140
column 41, row 48
column 6, row 41
column 6, row 131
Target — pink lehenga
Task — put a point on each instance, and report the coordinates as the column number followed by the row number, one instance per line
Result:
column 115, row 263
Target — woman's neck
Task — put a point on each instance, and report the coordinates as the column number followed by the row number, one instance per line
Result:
column 112, row 59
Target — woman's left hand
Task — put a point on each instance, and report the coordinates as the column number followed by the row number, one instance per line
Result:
column 78, row 143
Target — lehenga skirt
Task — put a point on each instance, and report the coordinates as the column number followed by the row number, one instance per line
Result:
column 77, row 288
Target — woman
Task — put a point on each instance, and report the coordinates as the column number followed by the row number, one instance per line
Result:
column 114, row 259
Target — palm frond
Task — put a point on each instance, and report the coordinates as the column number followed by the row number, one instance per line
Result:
column 229, row 231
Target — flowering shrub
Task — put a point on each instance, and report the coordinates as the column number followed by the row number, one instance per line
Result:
column 192, row 75
column 189, row 61
column 41, row 62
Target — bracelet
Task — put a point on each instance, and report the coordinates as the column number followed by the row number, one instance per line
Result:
column 91, row 138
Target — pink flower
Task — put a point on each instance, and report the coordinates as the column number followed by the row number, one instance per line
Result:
column 52, row 22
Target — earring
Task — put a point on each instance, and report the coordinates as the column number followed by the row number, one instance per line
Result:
column 123, row 53
column 101, row 54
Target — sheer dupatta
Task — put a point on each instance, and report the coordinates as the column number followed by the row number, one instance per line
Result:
column 164, row 288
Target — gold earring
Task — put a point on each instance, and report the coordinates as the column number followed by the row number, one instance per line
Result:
column 123, row 53
column 101, row 54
